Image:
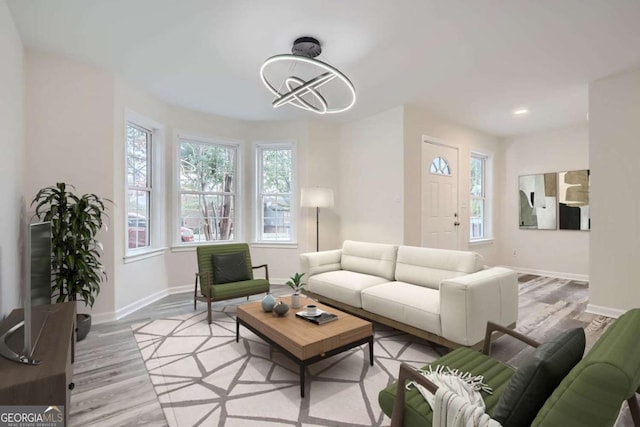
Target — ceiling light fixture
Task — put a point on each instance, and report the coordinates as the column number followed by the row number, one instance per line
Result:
column 316, row 87
column 520, row 112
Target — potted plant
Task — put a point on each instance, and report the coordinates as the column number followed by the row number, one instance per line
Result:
column 295, row 283
column 76, row 269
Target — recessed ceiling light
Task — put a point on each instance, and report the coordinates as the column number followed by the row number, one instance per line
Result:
column 520, row 112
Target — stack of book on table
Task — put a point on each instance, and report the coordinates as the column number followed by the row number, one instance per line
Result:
column 320, row 317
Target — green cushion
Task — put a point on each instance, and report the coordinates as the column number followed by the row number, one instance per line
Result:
column 417, row 410
column 239, row 289
column 230, row 267
column 539, row 375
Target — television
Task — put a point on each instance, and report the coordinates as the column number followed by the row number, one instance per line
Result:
column 38, row 283
column 37, row 292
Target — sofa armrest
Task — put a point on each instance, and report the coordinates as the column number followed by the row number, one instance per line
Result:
column 468, row 302
column 320, row 262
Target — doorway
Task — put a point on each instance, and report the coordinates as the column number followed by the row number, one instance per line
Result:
column 440, row 219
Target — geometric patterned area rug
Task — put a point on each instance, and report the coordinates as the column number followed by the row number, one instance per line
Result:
column 202, row 377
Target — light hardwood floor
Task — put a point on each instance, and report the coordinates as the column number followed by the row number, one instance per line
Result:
column 113, row 387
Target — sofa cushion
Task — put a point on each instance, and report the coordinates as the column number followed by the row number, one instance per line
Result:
column 376, row 259
column 230, row 267
column 344, row 286
column 537, row 377
column 416, row 306
column 428, row 267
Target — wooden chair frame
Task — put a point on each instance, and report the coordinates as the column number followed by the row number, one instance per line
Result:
column 206, row 278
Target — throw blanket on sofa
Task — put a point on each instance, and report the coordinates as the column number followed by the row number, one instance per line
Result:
column 452, row 410
column 457, row 402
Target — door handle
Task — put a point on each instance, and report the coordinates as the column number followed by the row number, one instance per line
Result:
column 456, row 223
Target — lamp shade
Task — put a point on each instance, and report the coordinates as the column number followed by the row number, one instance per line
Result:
column 316, row 197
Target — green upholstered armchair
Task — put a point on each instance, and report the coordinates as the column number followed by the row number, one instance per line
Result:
column 590, row 395
column 225, row 272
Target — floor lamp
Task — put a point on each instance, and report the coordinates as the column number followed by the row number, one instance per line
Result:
column 317, row 197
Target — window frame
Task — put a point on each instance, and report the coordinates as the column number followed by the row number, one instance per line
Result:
column 258, row 212
column 155, row 187
column 484, row 197
column 237, row 194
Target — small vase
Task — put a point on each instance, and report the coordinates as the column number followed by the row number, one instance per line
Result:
column 268, row 302
column 281, row 309
column 295, row 300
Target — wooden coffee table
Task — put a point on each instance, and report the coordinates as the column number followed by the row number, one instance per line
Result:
column 302, row 341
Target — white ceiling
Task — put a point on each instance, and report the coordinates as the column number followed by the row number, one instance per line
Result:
column 474, row 61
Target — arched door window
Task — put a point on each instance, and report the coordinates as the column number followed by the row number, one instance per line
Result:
column 440, row 166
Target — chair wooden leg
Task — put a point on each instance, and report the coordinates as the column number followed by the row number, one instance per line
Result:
column 209, row 310
column 634, row 409
column 195, row 294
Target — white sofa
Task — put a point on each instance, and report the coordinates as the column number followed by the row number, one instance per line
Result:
column 441, row 295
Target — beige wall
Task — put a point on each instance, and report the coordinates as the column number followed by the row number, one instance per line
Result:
column 147, row 278
column 12, row 147
column 419, row 122
column 561, row 253
column 69, row 137
column 370, row 198
column 77, row 116
column 614, row 150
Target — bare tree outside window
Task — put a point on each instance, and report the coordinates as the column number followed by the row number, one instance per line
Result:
column 207, row 189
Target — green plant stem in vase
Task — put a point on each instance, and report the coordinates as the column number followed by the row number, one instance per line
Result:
column 295, row 283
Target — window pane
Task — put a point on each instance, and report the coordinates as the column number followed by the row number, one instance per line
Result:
column 206, row 167
column 209, row 217
column 440, row 166
column 276, row 171
column 477, row 176
column 276, row 217
column 137, row 218
column 477, row 218
column 137, row 157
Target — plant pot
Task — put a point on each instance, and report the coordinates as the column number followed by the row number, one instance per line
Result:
column 83, row 325
column 295, row 300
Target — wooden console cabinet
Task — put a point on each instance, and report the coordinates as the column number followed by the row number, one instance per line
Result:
column 50, row 382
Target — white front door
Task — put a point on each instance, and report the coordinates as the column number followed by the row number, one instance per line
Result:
column 440, row 220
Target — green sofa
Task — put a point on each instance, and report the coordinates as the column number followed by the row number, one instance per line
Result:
column 590, row 395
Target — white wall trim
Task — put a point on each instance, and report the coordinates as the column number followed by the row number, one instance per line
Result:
column 99, row 318
column 556, row 274
column 604, row 311
column 128, row 309
column 180, row 289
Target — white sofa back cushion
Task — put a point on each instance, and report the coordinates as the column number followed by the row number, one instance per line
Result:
column 377, row 259
column 428, row 267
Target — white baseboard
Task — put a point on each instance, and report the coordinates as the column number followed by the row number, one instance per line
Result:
column 180, row 289
column 556, row 274
column 604, row 311
column 98, row 318
column 129, row 308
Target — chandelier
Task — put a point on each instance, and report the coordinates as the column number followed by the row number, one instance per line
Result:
column 304, row 82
